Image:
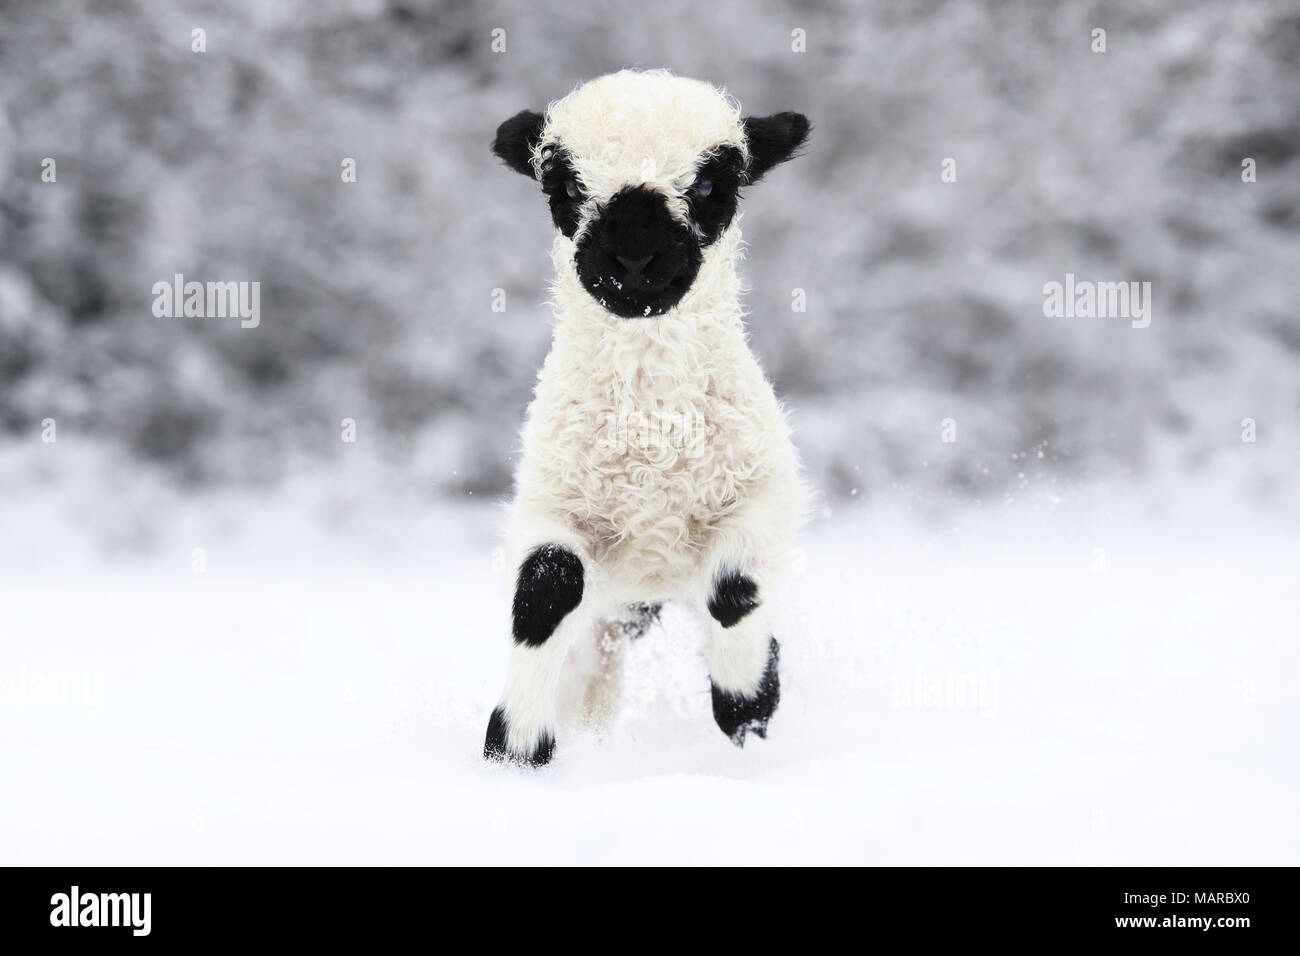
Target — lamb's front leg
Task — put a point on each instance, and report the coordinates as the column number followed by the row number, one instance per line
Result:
column 548, row 591
column 743, row 656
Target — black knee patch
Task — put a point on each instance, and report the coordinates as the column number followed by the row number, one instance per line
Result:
column 737, row 715
column 734, row 596
column 494, row 747
column 549, row 587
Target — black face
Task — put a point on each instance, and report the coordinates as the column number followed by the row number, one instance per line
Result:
column 634, row 258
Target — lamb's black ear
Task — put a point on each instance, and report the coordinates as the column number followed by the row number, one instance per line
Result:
column 772, row 140
column 516, row 138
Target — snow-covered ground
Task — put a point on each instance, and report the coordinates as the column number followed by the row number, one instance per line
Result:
column 1083, row 681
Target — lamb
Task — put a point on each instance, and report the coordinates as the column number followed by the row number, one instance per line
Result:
column 656, row 462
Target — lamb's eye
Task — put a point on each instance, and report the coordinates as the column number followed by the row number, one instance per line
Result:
column 703, row 187
column 572, row 189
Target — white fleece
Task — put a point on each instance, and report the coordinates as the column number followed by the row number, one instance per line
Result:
column 648, row 437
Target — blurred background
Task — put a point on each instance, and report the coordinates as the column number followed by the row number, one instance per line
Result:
column 924, row 298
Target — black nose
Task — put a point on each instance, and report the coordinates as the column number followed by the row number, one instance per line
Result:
column 634, row 266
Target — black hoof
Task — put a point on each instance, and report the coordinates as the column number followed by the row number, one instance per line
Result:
column 739, row 716
column 494, row 747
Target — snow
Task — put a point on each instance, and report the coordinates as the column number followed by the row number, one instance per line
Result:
column 1105, row 680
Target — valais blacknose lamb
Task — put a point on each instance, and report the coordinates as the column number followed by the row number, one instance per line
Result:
column 656, row 463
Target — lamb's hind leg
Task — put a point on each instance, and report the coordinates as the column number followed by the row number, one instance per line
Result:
column 743, row 656
column 548, row 591
column 591, row 686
